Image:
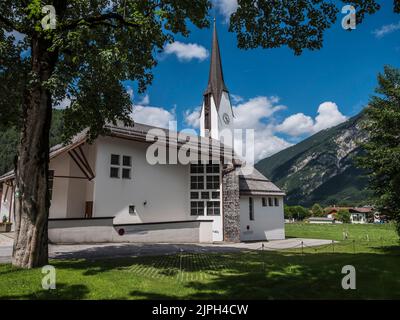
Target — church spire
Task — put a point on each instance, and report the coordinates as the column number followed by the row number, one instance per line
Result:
column 216, row 84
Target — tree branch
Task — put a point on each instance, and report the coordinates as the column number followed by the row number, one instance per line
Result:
column 9, row 24
column 99, row 19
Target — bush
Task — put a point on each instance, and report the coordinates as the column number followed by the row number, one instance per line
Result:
column 343, row 215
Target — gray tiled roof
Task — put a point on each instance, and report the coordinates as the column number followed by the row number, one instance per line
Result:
column 257, row 184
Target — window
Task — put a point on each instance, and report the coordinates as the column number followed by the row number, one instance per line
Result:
column 213, row 208
column 212, row 168
column 205, row 189
column 194, row 195
column 276, row 202
column 51, row 180
column 205, row 195
column 270, row 202
column 115, row 159
column 264, row 202
column 126, row 161
column 197, row 208
column 197, row 168
column 215, row 195
column 212, row 182
column 132, row 210
column 114, row 172
column 126, row 173
column 251, row 209
column 197, row 182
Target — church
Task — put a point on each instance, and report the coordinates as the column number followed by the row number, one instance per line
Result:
column 108, row 191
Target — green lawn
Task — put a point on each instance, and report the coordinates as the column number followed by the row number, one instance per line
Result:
column 252, row 275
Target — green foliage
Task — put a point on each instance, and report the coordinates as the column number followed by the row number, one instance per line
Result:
column 343, row 215
column 382, row 158
column 298, row 213
column 9, row 141
column 95, row 47
column 297, row 24
column 317, row 210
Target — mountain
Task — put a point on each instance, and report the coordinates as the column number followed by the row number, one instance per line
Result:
column 321, row 169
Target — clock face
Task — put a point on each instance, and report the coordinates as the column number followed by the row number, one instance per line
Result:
column 226, row 118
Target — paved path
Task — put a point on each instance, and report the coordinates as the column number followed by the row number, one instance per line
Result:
column 117, row 250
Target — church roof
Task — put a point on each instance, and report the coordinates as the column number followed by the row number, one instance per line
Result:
column 141, row 132
column 216, row 83
column 257, row 184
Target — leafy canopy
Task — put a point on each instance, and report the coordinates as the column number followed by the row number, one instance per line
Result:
column 97, row 45
column 382, row 159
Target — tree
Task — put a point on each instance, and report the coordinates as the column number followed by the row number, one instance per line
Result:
column 288, row 212
column 317, row 210
column 94, row 47
column 343, row 215
column 382, row 158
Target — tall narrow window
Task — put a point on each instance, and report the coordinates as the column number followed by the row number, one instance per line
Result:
column 270, row 202
column 264, row 202
column 276, row 202
column 251, row 208
column 51, row 180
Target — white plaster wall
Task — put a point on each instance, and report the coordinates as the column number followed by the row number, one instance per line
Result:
column 163, row 187
column 214, row 121
column 70, row 195
column 187, row 232
column 6, row 203
column 61, row 167
column 102, row 230
column 268, row 223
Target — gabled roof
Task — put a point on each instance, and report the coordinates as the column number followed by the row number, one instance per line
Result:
column 216, row 83
column 257, row 184
column 141, row 132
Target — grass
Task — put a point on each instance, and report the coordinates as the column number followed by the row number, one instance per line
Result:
column 315, row 274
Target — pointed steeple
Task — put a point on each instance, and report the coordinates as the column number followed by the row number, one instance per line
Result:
column 216, row 84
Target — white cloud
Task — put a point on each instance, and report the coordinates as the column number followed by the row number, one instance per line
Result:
column 145, row 100
column 236, row 98
column 386, row 29
column 300, row 124
column 226, row 7
column 257, row 114
column 192, row 118
column 153, row 116
column 296, row 125
column 251, row 113
column 186, row 51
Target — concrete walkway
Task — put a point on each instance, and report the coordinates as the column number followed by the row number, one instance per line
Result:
column 118, row 250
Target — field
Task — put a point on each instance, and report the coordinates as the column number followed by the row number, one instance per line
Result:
column 308, row 273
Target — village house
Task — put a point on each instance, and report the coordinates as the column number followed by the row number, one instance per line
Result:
column 107, row 191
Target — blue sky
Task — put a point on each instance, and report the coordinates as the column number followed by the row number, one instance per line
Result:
column 285, row 89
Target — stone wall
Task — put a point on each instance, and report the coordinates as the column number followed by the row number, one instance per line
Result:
column 231, row 204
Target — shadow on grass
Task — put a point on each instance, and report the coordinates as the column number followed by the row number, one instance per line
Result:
column 245, row 275
column 256, row 275
column 62, row 292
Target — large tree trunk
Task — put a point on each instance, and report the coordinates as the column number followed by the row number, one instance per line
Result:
column 31, row 192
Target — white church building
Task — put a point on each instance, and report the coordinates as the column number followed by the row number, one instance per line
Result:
column 108, row 191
